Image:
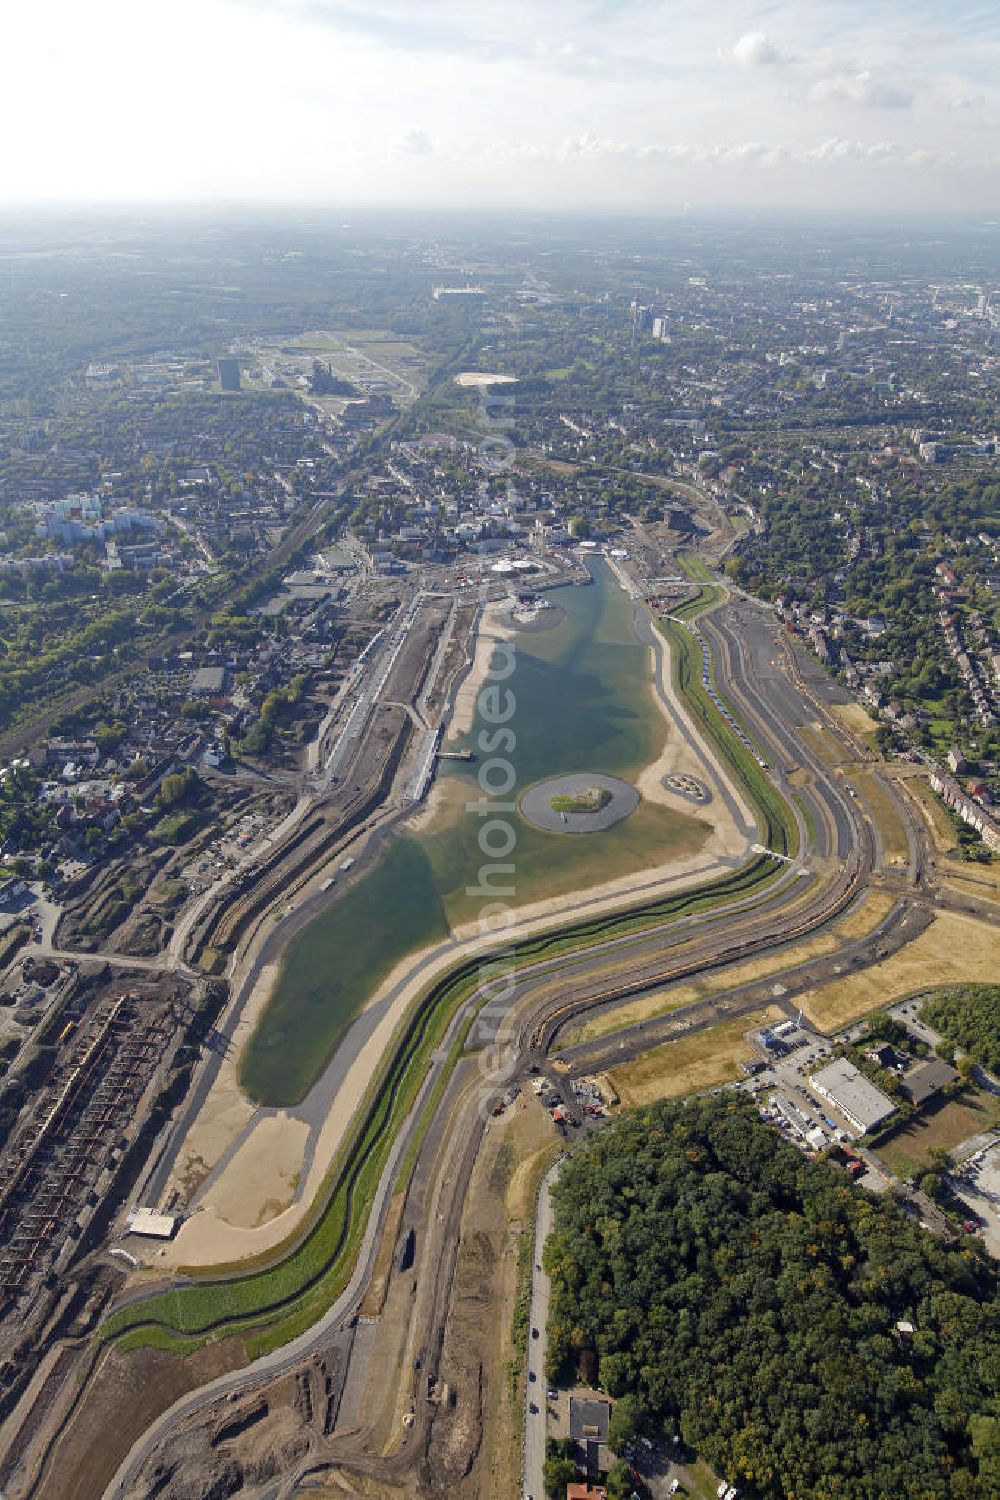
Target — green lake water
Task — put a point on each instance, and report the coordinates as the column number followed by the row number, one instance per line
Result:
column 583, row 702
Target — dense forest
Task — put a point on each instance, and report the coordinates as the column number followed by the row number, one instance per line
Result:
column 732, row 1288
column 969, row 1016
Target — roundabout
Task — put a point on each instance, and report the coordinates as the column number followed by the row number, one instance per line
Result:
column 581, row 802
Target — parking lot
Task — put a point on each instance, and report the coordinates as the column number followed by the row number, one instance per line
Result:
column 909, row 1013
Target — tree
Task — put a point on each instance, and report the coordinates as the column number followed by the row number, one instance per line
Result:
column 968, row 1015
column 108, row 737
column 887, row 1028
column 629, row 1417
column 557, row 1473
column 620, row 1484
column 932, row 1184
column 173, row 789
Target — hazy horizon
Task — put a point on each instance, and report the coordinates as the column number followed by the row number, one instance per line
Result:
column 632, row 107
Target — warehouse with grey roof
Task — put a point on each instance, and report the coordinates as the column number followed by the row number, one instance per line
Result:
column 849, row 1090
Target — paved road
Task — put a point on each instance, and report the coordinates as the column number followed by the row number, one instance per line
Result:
column 534, row 1421
column 903, row 924
column 747, row 648
column 16, row 741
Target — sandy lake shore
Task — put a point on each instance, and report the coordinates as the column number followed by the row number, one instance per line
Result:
column 259, row 1173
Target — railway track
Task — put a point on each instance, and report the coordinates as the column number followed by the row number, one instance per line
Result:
column 381, row 740
column 287, row 866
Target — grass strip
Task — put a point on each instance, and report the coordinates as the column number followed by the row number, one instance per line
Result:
column 706, row 598
column 781, row 832
column 312, row 1273
column 692, row 567
column 807, row 818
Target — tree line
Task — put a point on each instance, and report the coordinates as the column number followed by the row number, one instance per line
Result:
column 730, row 1289
column 968, row 1015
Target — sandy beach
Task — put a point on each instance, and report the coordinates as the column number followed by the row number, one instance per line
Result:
column 263, row 1171
column 493, row 627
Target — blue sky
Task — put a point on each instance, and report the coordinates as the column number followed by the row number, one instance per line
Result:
column 599, row 104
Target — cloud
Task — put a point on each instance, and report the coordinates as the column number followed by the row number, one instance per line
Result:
column 604, row 102
column 494, row 31
column 748, row 153
column 886, row 153
column 754, row 49
column 837, row 151
column 826, row 75
column 413, row 143
column 864, row 89
column 589, row 147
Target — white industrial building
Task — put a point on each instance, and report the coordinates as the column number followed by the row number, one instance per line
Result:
column 151, row 1224
column 848, row 1090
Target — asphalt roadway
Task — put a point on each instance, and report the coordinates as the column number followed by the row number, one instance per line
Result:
column 534, row 1421
column 748, row 645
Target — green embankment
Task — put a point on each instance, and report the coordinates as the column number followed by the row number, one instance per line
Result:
column 708, row 595
column 780, row 830
column 584, row 702
column 692, row 567
column 807, row 818
column 274, row 1301
column 292, row 1293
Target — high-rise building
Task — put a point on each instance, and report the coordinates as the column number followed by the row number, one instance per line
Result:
column 229, row 374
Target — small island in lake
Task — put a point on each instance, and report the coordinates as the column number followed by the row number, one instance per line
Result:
column 590, row 801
